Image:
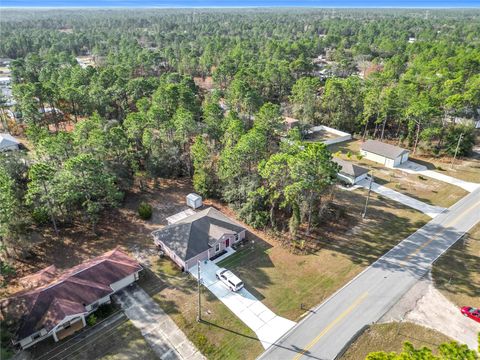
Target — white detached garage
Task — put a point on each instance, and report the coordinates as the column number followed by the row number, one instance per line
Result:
column 386, row 154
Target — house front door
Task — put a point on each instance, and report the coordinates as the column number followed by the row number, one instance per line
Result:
column 227, row 243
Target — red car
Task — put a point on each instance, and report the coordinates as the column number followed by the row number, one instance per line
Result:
column 471, row 312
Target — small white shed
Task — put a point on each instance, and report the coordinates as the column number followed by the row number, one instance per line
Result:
column 194, row 200
column 8, row 142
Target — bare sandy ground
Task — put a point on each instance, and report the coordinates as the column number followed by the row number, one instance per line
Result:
column 425, row 305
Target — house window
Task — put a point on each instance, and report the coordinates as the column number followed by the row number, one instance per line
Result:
column 217, row 248
column 236, row 237
column 94, row 305
column 66, row 325
column 35, row 336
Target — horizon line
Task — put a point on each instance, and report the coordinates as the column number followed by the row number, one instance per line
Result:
column 452, row 7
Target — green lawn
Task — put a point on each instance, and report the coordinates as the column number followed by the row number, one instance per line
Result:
column 221, row 335
column 457, row 272
column 390, row 337
column 283, row 281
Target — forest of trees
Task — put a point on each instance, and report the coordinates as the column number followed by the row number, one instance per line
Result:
column 139, row 113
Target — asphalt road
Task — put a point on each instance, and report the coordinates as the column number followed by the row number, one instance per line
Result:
column 330, row 326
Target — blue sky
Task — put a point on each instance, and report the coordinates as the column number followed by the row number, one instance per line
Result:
column 240, row 3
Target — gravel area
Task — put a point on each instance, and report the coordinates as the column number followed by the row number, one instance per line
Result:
column 425, row 305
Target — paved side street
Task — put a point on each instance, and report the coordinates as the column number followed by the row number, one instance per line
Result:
column 158, row 329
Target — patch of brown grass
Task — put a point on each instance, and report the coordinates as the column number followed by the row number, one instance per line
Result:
column 390, row 337
column 457, row 272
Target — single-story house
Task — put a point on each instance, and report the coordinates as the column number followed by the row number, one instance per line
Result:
column 349, row 172
column 8, row 142
column 383, row 153
column 61, row 301
column 198, row 237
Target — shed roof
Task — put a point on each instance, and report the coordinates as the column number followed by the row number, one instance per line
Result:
column 193, row 196
column 383, row 149
column 196, row 233
column 349, row 168
column 7, row 141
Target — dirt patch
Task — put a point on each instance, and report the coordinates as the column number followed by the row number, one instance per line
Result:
column 204, row 83
column 424, row 305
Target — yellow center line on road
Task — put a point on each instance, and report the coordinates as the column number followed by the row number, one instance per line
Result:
column 332, row 324
column 434, row 237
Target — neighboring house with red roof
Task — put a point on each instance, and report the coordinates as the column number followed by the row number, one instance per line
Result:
column 60, row 302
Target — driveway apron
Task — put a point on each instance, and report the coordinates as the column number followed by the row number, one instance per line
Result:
column 265, row 323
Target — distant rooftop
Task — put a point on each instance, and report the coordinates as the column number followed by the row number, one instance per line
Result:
column 383, row 149
column 349, row 168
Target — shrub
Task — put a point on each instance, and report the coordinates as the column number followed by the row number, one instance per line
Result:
column 104, row 311
column 40, row 216
column 92, row 320
column 145, row 211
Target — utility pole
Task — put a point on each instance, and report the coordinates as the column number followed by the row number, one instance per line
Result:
column 456, row 150
column 368, row 196
column 199, row 315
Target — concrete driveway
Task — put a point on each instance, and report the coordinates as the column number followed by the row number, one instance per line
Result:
column 160, row 332
column 427, row 209
column 266, row 324
column 414, row 168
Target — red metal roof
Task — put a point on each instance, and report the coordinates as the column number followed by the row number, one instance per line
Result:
column 69, row 293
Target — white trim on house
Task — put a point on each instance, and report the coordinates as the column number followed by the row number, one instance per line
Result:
column 117, row 286
column 350, row 179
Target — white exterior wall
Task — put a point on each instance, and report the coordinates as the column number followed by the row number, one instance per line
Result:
column 346, row 178
column 391, row 163
column 404, row 157
column 350, row 179
column 374, row 157
column 27, row 342
column 123, row 283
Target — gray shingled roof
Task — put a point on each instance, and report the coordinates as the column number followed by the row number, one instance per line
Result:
column 350, row 169
column 196, row 233
column 383, row 149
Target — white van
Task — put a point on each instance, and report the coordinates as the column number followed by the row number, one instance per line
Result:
column 229, row 279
